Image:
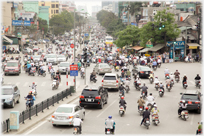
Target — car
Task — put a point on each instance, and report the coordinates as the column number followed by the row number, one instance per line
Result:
column 12, row 67
column 36, row 58
column 111, row 81
column 102, row 68
column 27, row 50
column 61, row 58
column 63, row 67
column 65, row 114
column 93, row 95
column 193, row 99
column 10, row 95
column 51, row 58
column 142, row 71
column 35, row 48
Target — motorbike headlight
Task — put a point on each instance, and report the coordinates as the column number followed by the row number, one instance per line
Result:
column 9, row 99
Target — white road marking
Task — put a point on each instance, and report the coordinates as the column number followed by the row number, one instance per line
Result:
column 26, row 84
column 43, row 84
column 35, row 127
column 106, row 109
column 192, row 119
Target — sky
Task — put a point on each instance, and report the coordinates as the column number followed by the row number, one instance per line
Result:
column 88, row 4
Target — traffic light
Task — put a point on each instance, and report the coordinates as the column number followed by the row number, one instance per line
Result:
column 152, row 26
column 163, row 26
column 160, row 26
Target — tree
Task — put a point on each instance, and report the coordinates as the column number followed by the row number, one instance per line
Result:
column 167, row 33
column 43, row 25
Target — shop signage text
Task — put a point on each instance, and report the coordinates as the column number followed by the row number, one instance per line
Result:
column 177, row 43
column 19, row 23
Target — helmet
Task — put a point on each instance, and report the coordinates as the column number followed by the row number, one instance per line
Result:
column 171, row 73
column 30, row 92
column 150, row 94
column 184, row 74
column 176, row 70
column 110, row 117
column 183, row 101
column 77, row 115
column 121, row 83
column 146, row 108
column 122, row 97
column 160, row 82
column 167, row 77
column 155, row 105
column 33, row 82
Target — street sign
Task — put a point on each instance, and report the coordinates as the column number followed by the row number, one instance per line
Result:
column 74, row 73
column 72, row 45
column 177, row 43
column 86, row 35
column 73, row 67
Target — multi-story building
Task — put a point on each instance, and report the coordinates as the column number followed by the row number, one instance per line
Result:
column 44, row 13
column 54, row 7
column 31, row 6
column 72, row 6
column 110, row 6
column 63, row 7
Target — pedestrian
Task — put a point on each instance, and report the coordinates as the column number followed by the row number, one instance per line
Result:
column 163, row 57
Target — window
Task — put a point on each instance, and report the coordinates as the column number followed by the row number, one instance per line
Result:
column 53, row 5
column 51, row 11
column 57, row 11
column 57, row 6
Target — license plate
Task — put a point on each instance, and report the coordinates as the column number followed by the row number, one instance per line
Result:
column 168, row 86
column 147, row 121
column 146, row 72
column 186, row 117
column 10, row 71
column 140, row 108
column 61, row 118
column 89, row 100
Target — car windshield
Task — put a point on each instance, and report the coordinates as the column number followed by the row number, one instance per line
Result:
column 64, row 110
column 90, row 92
column 64, row 65
column 190, row 96
column 145, row 69
column 104, row 66
column 109, row 39
column 109, row 78
column 12, row 64
column 52, row 56
column 6, row 91
column 61, row 56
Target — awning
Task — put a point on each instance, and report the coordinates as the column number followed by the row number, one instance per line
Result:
column 137, row 48
column 157, row 47
column 193, row 45
column 145, row 50
column 7, row 39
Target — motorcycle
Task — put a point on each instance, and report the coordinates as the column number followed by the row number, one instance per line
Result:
column 76, row 130
column 29, row 101
column 143, row 95
column 137, row 85
column 121, row 94
column 154, row 68
column 141, row 110
column 93, row 79
column 121, row 111
column 150, row 106
column 159, row 65
column 177, row 78
column 151, row 80
column 54, row 84
column 197, row 82
column 117, row 68
column 161, row 92
column 155, row 119
column 157, row 86
column 43, row 74
column 83, row 75
column 32, row 71
column 166, row 75
column 127, row 88
column 168, row 87
column 185, row 85
column 184, row 115
column 146, row 123
column 128, row 78
column 172, row 82
column 108, row 132
column 52, row 75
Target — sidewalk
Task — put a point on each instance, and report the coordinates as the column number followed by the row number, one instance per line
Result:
column 46, row 114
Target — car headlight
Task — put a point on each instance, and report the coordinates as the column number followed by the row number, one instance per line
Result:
column 9, row 99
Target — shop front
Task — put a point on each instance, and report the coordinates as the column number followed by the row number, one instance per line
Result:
column 179, row 48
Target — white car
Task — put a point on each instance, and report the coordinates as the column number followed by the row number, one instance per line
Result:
column 65, row 114
column 61, row 58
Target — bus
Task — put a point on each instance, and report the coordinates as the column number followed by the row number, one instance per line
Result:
column 109, row 40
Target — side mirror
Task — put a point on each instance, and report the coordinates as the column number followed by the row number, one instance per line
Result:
column 181, row 93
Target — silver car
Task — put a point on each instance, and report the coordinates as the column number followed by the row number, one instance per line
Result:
column 65, row 114
column 36, row 58
column 63, row 67
column 52, row 58
column 102, row 68
column 111, row 80
column 61, row 58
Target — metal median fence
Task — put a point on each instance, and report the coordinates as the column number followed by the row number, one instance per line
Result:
column 34, row 110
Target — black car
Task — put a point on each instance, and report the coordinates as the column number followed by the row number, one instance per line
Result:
column 142, row 71
column 92, row 95
column 193, row 99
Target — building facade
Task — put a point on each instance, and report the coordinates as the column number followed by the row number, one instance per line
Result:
column 63, row 7
column 44, row 13
column 31, row 6
column 54, row 7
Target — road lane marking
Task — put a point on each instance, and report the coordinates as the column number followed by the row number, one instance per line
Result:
column 26, row 84
column 106, row 109
column 35, row 127
column 43, row 84
column 192, row 119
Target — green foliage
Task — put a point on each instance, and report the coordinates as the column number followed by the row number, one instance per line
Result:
column 43, row 25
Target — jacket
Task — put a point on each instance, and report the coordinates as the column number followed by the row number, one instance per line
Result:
column 109, row 123
column 146, row 114
column 141, row 102
column 122, row 102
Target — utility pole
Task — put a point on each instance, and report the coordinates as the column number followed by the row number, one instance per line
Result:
column 22, row 24
column 185, row 42
column 199, row 22
column 74, row 52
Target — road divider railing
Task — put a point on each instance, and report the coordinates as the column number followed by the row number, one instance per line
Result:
column 34, row 110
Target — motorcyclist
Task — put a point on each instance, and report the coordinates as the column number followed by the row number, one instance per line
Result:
column 166, row 71
column 77, row 123
column 28, row 67
column 197, row 78
column 176, row 74
column 182, row 106
column 159, row 61
column 122, row 102
column 122, row 88
column 128, row 73
column 144, row 89
column 199, row 131
column 110, row 123
column 161, row 86
column 57, row 79
column 150, row 99
column 168, row 81
column 52, row 71
column 156, row 80
column 41, row 69
column 138, row 80
column 140, row 102
column 79, row 64
column 154, row 111
column 30, row 98
column 172, row 76
column 184, row 79
column 34, row 86
column 154, row 64
column 145, row 115
column 93, row 74
column 49, row 65
column 82, row 70
column 58, row 75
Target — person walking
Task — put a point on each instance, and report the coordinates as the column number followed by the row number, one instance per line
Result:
column 163, row 57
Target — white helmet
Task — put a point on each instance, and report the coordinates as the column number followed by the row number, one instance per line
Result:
column 160, row 82
column 184, row 74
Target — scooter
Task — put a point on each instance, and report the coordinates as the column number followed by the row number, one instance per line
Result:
column 93, row 79
column 83, row 75
column 159, row 65
column 197, row 82
column 137, row 85
column 172, row 82
column 157, row 86
column 43, row 74
column 128, row 78
column 121, row 111
column 151, row 80
column 54, row 84
column 76, row 130
column 154, row 68
column 177, row 78
column 161, row 92
column 127, row 88
column 32, row 71
column 185, row 85
column 141, row 110
column 29, row 102
column 146, row 123
column 155, row 119
column 168, row 87
column 108, row 132
column 121, row 94
column 184, row 115
column 143, row 95
column 166, row 75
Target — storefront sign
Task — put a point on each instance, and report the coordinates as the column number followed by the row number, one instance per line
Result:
column 176, row 43
column 193, row 47
column 19, row 23
column 15, row 5
column 149, row 44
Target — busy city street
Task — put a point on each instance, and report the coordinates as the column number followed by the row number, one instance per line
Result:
column 68, row 72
